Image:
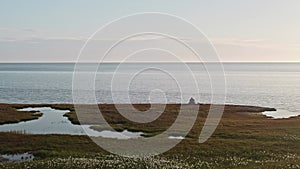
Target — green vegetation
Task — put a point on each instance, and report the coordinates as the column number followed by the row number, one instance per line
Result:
column 9, row 114
column 243, row 139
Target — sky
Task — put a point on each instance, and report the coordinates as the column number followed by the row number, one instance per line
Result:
column 240, row 30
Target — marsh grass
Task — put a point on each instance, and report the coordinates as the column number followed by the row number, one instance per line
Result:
column 10, row 114
column 243, row 139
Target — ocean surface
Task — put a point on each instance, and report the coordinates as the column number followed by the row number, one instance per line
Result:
column 274, row 85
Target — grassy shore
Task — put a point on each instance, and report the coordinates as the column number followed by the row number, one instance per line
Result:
column 244, row 139
column 10, row 114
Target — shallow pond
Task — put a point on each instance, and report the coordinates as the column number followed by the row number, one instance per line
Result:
column 17, row 157
column 176, row 137
column 53, row 122
column 280, row 114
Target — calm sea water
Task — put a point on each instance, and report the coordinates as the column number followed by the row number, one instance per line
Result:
column 258, row 84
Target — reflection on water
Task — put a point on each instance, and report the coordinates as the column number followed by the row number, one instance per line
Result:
column 53, row 122
column 176, row 137
column 120, row 135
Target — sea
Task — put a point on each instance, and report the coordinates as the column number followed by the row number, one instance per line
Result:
column 275, row 85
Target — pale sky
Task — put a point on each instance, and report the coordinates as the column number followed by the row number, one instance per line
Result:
column 241, row 30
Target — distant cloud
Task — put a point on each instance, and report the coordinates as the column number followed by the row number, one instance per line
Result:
column 29, row 30
column 253, row 40
column 15, row 34
column 7, row 39
column 295, row 44
column 31, row 45
column 241, row 42
column 146, row 37
column 253, row 43
column 17, row 30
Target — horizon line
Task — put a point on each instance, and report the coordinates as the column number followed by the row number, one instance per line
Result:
column 90, row 62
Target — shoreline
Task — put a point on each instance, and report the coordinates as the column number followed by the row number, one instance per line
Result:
column 10, row 113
